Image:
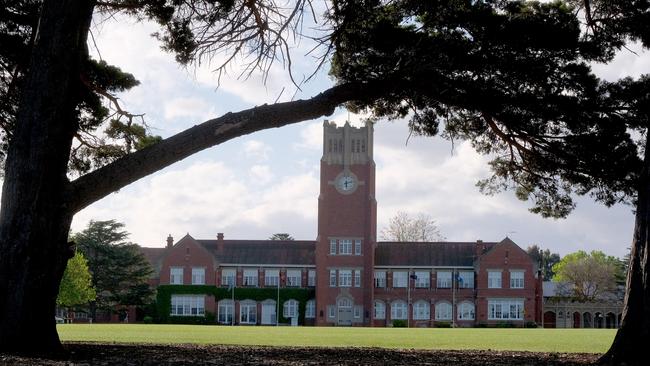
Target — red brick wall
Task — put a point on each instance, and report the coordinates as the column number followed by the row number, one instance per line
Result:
column 187, row 253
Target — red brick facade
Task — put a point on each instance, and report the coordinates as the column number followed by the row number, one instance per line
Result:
column 357, row 281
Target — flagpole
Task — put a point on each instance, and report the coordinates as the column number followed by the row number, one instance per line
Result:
column 232, row 318
column 453, row 297
column 277, row 304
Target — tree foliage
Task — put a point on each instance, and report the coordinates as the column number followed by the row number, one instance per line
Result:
column 76, row 285
column 120, row 272
column 281, row 236
column 590, row 276
column 404, row 227
column 545, row 259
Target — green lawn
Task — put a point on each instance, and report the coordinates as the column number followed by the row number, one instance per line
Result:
column 539, row 340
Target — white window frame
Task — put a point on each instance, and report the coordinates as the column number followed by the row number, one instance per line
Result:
column 443, row 311
column 357, row 312
column 228, row 277
column 225, row 310
column 444, row 279
column 421, row 310
column 357, row 278
column 357, row 247
column 467, row 278
column 345, row 278
column 187, row 305
column 198, row 275
column 294, row 278
column 398, row 310
column 311, row 278
column 332, row 246
column 517, row 278
column 250, row 277
column 422, row 279
column 331, row 311
column 310, row 309
column 495, row 278
column 400, row 279
column 290, row 308
column 248, row 312
column 175, row 275
column 345, row 246
column 380, row 279
column 380, row 309
column 332, row 278
column 466, row 311
column 272, row 277
column 506, row 309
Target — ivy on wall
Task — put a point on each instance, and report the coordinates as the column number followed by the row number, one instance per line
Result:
column 165, row 292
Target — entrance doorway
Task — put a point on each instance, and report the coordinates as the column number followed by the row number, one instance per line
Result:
column 268, row 312
column 344, row 312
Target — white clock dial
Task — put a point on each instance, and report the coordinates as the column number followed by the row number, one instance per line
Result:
column 346, row 183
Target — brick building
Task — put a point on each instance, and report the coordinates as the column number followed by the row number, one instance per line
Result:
column 345, row 277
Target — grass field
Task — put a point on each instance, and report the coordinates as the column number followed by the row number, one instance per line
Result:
column 535, row 340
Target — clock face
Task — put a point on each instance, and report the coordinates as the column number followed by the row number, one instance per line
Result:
column 346, row 183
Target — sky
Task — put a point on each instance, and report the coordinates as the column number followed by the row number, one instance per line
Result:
column 268, row 182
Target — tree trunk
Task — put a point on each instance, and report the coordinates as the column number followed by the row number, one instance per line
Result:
column 34, row 217
column 633, row 337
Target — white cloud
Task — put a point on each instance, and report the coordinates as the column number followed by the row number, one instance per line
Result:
column 257, row 150
column 261, row 174
column 189, row 107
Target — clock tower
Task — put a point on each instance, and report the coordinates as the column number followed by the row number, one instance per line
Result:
column 347, row 227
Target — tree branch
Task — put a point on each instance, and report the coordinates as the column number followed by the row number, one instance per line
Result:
column 112, row 177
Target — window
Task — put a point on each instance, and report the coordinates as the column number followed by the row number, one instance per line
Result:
column 332, row 246
column 310, row 309
column 465, row 279
column 225, row 312
column 332, row 278
column 331, row 311
column 290, row 309
column 443, row 311
column 357, row 247
column 198, row 276
column 421, row 310
column 494, row 279
column 421, row 279
column 399, row 278
column 248, row 312
column 345, row 246
column 311, row 278
column 250, row 277
column 357, row 312
column 357, row 278
column 499, row 309
column 466, row 311
column 380, row 279
column 398, row 310
column 344, row 302
column 228, row 277
column 380, row 310
column 516, row 279
column 176, row 275
column 188, row 305
column 345, row 278
column 294, row 277
column 443, row 279
column 271, row 277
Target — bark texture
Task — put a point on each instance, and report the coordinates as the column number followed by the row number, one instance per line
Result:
column 633, row 337
column 34, row 216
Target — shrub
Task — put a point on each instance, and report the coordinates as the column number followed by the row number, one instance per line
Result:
column 398, row 323
column 147, row 319
column 442, row 324
column 530, row 325
column 505, row 325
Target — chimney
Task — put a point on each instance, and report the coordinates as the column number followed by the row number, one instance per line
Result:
column 170, row 241
column 479, row 249
column 220, row 242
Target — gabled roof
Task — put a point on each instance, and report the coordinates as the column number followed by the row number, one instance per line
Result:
column 292, row 252
column 452, row 254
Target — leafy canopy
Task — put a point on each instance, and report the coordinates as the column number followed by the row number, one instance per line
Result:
column 76, row 285
column 590, row 276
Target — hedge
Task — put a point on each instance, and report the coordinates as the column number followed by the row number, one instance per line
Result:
column 165, row 292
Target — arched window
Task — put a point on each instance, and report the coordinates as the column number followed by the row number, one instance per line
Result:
column 443, row 311
column 344, row 302
column 225, row 310
column 310, row 309
column 398, row 310
column 466, row 311
column 380, row 310
column 421, row 310
column 248, row 312
column 290, row 309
